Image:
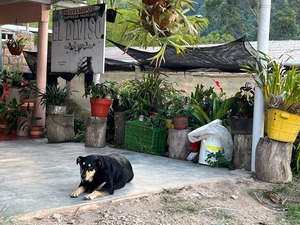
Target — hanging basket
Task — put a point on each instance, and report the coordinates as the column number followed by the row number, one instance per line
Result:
column 100, row 107
column 111, row 15
column 15, row 50
column 282, row 126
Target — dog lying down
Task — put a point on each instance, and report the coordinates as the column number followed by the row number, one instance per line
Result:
column 102, row 174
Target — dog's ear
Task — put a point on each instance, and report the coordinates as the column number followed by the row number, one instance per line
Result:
column 78, row 159
column 99, row 163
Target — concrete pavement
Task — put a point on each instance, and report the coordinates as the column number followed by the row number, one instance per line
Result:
column 36, row 175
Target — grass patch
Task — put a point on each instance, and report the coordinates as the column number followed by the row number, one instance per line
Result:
column 174, row 203
column 290, row 196
column 221, row 214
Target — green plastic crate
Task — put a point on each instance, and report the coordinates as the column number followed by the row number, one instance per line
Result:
column 142, row 138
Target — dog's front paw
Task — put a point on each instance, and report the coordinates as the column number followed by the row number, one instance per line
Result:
column 77, row 192
column 74, row 194
column 89, row 197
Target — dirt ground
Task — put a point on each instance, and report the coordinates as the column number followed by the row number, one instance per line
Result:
column 233, row 201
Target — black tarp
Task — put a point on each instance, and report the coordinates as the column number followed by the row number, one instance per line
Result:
column 110, row 64
column 225, row 57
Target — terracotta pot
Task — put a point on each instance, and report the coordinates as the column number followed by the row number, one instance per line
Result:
column 180, row 123
column 27, row 104
column 37, row 132
column 100, row 107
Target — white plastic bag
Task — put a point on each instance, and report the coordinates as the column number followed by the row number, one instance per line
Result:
column 214, row 129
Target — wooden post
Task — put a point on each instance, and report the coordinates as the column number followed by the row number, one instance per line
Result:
column 242, row 149
column 96, row 132
column 272, row 161
column 60, row 127
column 120, row 119
column 179, row 145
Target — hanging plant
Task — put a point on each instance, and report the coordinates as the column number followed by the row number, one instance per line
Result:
column 163, row 23
column 16, row 45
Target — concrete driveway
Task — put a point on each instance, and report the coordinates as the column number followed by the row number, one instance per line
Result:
column 36, row 175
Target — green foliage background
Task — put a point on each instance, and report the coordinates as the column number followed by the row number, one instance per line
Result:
column 228, row 20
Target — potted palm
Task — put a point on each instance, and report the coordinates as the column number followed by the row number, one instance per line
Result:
column 280, row 87
column 16, row 45
column 55, row 99
column 101, row 97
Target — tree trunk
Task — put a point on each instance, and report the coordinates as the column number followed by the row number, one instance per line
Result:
column 179, row 146
column 60, row 128
column 242, row 151
column 120, row 120
column 96, row 132
column 272, row 161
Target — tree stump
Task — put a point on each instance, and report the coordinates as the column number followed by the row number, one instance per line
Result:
column 272, row 161
column 120, row 119
column 96, row 132
column 60, row 127
column 179, row 145
column 23, row 127
column 242, row 151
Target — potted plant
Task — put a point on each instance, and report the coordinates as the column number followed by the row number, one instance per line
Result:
column 55, row 99
column 13, row 78
column 241, row 115
column 180, row 109
column 34, row 130
column 101, row 97
column 16, row 45
column 280, row 87
column 27, row 92
column 111, row 12
column 11, row 118
column 26, row 125
column 209, row 105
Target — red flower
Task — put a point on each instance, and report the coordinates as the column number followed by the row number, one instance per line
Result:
column 6, row 87
column 24, row 83
column 4, row 95
column 218, row 85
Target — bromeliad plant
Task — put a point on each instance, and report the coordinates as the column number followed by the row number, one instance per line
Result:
column 280, row 85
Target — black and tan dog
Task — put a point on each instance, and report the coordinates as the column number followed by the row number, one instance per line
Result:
column 102, row 174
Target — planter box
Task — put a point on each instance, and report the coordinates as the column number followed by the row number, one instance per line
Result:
column 146, row 139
